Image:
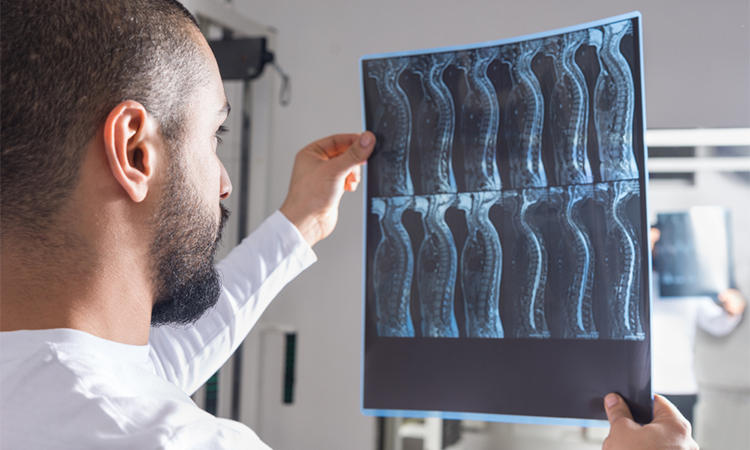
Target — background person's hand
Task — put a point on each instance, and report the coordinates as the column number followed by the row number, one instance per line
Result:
column 322, row 172
column 668, row 431
column 733, row 302
column 654, row 236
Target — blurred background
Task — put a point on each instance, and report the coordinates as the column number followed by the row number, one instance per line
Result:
column 297, row 381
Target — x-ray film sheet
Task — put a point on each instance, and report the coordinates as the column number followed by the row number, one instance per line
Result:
column 506, row 270
column 693, row 255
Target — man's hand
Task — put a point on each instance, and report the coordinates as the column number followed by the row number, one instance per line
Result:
column 322, row 172
column 733, row 302
column 668, row 431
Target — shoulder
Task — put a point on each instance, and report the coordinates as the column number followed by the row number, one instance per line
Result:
column 59, row 398
column 215, row 433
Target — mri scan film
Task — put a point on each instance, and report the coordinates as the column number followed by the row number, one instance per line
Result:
column 506, row 253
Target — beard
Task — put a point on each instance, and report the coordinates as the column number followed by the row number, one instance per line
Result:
column 187, row 283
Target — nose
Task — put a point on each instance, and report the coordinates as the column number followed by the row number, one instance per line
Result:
column 225, row 186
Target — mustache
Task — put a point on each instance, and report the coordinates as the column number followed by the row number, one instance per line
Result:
column 225, row 215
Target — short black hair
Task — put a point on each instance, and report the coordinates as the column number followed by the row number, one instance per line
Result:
column 65, row 65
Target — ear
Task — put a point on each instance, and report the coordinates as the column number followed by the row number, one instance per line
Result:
column 130, row 134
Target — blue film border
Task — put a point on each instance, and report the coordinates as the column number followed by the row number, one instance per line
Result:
column 533, row 420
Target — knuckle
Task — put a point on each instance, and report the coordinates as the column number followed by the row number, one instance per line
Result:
column 356, row 152
column 353, row 155
column 608, row 444
column 685, row 428
column 615, row 415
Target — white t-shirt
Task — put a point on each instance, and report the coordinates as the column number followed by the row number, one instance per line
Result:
column 673, row 327
column 67, row 389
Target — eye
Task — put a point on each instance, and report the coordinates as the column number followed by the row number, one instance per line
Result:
column 220, row 132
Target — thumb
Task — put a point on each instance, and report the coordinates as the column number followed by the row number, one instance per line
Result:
column 355, row 155
column 616, row 409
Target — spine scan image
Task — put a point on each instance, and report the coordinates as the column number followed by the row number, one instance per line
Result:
column 393, row 128
column 393, row 267
column 436, row 122
column 505, row 190
column 480, row 118
column 481, row 267
column 528, row 264
column 613, row 105
column 568, row 111
column 437, row 265
column 524, row 117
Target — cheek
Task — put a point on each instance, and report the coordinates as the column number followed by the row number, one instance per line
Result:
column 216, row 180
column 206, row 178
column 210, row 177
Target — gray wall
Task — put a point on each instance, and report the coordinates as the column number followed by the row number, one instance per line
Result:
column 697, row 62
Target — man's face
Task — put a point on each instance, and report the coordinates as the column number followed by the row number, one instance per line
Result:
column 190, row 218
column 184, row 248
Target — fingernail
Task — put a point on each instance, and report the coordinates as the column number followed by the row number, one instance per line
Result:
column 365, row 139
column 611, row 400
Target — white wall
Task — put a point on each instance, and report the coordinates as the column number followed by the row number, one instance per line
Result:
column 697, row 61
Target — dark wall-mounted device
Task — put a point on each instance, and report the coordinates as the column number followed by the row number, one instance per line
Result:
column 241, row 59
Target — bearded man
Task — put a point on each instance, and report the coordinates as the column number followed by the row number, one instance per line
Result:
column 111, row 217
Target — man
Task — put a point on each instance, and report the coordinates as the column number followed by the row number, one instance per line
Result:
column 111, row 215
column 674, row 325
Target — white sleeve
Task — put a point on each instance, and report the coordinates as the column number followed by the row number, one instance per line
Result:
column 252, row 274
column 215, row 434
column 713, row 319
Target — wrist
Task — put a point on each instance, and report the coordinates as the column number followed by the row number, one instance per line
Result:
column 307, row 226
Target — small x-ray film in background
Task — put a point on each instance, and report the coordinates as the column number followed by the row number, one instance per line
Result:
column 693, row 254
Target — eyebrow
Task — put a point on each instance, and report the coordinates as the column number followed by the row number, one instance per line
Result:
column 224, row 111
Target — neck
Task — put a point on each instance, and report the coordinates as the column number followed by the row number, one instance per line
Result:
column 67, row 281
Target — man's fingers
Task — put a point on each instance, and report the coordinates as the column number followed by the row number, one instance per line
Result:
column 333, row 146
column 352, row 180
column 664, row 410
column 616, row 409
column 361, row 149
column 344, row 151
column 667, row 415
column 356, row 154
